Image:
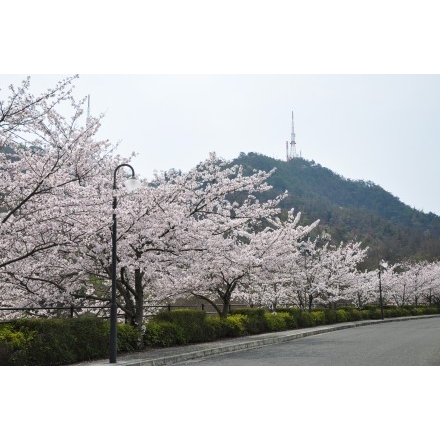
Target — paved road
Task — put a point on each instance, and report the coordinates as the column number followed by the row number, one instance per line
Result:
column 405, row 343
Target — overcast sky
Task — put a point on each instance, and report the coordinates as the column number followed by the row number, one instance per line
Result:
column 383, row 128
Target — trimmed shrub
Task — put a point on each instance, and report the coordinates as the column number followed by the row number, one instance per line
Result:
column 129, row 338
column 216, row 328
column 163, row 334
column 430, row 310
column 305, row 319
column 354, row 314
column 375, row 314
column 365, row 314
column 289, row 320
column 330, row 316
column 295, row 311
column 275, row 322
column 256, row 322
column 12, row 345
column 392, row 312
column 91, row 337
column 342, row 315
column 54, row 341
column 235, row 325
column 251, row 312
column 193, row 323
column 318, row 317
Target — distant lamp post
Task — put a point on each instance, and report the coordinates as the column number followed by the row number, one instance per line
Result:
column 383, row 265
column 131, row 184
column 304, row 250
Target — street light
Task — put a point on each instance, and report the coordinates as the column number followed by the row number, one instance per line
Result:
column 131, row 184
column 382, row 266
column 305, row 250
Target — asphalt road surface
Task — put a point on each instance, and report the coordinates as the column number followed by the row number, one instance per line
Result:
column 404, row 343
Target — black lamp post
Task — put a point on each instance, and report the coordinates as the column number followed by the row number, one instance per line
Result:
column 304, row 251
column 382, row 265
column 130, row 184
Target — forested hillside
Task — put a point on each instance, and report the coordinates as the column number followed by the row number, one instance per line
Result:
column 351, row 210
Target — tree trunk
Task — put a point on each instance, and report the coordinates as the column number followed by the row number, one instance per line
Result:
column 310, row 302
column 225, row 310
column 226, row 298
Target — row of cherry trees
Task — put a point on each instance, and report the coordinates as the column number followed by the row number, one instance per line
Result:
column 403, row 284
column 203, row 233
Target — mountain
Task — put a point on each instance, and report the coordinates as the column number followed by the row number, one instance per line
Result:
column 351, row 209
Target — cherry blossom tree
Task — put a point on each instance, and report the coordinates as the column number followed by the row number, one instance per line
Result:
column 395, row 285
column 325, row 271
column 363, row 288
column 413, row 283
column 431, row 294
column 50, row 168
column 168, row 229
column 233, row 265
column 56, row 241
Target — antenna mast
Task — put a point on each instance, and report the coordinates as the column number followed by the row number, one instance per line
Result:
column 292, row 141
column 292, row 153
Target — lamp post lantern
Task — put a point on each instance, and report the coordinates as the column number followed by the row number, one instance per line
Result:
column 382, row 265
column 131, row 184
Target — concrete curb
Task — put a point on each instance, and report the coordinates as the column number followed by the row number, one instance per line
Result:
column 255, row 342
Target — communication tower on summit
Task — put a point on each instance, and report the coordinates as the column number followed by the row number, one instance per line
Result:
column 291, row 153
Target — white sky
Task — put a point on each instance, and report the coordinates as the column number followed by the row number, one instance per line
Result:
column 383, row 128
column 180, row 79
column 177, row 80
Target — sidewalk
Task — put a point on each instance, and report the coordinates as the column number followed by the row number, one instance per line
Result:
column 182, row 353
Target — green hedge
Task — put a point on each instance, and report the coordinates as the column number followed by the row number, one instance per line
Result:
column 68, row 341
column 256, row 322
column 236, row 325
column 195, row 326
column 192, row 322
column 289, row 320
column 354, row 314
column 128, row 337
column 305, row 319
column 13, row 345
column 275, row 322
column 190, row 326
column 164, row 334
column 217, row 327
column 318, row 317
column 60, row 341
column 342, row 315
